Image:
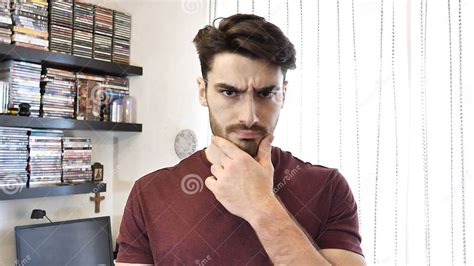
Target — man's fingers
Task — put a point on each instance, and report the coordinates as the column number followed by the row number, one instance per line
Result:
column 265, row 149
column 217, row 170
column 210, row 183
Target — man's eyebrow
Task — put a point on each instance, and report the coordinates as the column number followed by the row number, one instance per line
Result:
column 264, row 89
column 269, row 88
column 226, row 86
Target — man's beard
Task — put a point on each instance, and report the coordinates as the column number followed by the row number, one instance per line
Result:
column 250, row 146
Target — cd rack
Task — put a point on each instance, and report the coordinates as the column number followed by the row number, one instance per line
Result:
column 67, row 62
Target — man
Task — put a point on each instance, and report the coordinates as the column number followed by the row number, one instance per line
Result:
column 251, row 204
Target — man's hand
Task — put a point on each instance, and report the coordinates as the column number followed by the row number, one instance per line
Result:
column 242, row 184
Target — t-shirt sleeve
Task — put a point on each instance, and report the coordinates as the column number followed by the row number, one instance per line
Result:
column 134, row 246
column 341, row 230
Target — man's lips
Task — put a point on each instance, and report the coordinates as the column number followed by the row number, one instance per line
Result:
column 247, row 134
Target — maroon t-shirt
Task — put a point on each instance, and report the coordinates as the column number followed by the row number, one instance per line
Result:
column 171, row 218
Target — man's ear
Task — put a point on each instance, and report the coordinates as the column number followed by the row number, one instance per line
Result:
column 285, row 85
column 202, row 91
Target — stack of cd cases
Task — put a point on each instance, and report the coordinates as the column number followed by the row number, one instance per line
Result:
column 103, row 32
column 30, row 20
column 24, row 82
column 61, row 24
column 122, row 36
column 91, row 95
column 4, row 95
column 83, row 30
column 77, row 156
column 59, row 92
column 5, row 22
column 45, row 164
column 116, row 87
column 13, row 157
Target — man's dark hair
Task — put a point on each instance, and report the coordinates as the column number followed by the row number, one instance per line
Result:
column 247, row 35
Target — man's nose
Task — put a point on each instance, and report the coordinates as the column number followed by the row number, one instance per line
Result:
column 248, row 112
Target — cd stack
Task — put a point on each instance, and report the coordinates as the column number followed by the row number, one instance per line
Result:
column 5, row 22
column 91, row 96
column 116, row 87
column 83, row 30
column 45, row 156
column 13, row 156
column 24, row 81
column 4, row 91
column 77, row 156
column 61, row 26
column 122, row 36
column 30, row 20
column 103, row 31
column 59, row 93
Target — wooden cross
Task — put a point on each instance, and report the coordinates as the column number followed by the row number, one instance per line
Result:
column 97, row 199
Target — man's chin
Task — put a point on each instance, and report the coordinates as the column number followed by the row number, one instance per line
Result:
column 249, row 146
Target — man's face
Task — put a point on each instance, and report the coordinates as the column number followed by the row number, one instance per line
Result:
column 244, row 97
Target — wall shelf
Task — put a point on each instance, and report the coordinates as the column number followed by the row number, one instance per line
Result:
column 65, row 124
column 51, row 190
column 69, row 62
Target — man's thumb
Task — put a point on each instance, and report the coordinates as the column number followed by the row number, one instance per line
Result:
column 265, row 149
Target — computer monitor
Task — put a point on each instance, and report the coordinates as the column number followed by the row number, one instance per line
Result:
column 74, row 242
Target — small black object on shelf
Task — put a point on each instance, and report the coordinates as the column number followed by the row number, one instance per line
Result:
column 24, row 109
column 39, row 214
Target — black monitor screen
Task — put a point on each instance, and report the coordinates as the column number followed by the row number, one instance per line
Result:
column 75, row 242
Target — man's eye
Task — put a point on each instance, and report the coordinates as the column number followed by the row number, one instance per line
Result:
column 228, row 93
column 266, row 94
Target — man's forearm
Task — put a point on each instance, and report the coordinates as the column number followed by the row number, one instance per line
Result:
column 283, row 239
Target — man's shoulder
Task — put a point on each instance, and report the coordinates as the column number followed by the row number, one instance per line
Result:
column 287, row 163
column 168, row 175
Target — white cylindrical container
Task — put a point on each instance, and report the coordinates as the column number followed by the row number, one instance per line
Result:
column 129, row 109
column 116, row 111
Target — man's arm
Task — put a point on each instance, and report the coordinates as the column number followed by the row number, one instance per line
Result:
column 286, row 243
column 342, row 257
column 244, row 186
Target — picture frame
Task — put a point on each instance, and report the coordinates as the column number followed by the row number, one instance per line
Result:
column 97, row 172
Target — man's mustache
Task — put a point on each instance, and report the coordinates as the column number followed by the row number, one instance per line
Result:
column 255, row 128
